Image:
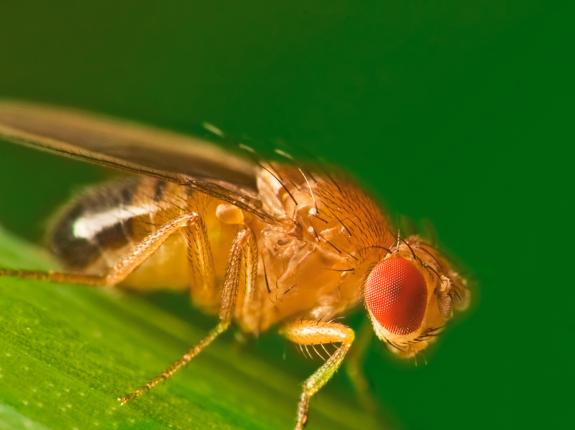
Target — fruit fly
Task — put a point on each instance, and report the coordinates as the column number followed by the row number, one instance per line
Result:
column 259, row 244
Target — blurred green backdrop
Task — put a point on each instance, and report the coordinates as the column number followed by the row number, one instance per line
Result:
column 459, row 113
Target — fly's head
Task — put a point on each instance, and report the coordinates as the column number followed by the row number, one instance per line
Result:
column 411, row 294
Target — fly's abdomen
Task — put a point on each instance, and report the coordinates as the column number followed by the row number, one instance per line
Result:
column 106, row 222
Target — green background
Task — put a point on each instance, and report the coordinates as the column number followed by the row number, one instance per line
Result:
column 457, row 113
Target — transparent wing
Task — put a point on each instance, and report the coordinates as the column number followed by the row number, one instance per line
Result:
column 134, row 148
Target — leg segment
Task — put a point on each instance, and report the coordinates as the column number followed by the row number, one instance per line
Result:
column 123, row 267
column 200, row 258
column 317, row 333
column 240, row 274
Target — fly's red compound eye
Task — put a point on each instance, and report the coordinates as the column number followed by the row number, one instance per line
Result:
column 396, row 295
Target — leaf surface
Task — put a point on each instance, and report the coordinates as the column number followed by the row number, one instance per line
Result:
column 67, row 352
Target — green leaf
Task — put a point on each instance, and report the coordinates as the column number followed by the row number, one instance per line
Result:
column 67, row 352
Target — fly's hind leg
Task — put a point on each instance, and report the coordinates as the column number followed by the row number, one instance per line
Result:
column 120, row 271
column 240, row 274
column 318, row 333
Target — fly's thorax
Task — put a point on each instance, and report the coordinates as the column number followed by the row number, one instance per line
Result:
column 314, row 259
column 411, row 294
column 328, row 209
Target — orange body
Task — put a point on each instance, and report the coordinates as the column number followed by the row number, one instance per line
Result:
column 312, row 264
column 257, row 243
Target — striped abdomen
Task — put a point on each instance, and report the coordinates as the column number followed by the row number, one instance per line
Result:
column 106, row 223
column 103, row 223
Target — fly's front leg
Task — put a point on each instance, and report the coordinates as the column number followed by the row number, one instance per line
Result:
column 240, row 274
column 318, row 333
column 120, row 271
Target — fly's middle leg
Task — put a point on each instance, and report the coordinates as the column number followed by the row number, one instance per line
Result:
column 318, row 333
column 240, row 274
